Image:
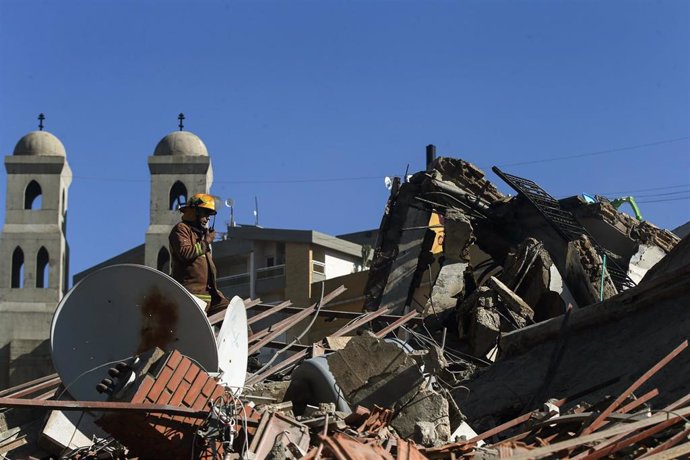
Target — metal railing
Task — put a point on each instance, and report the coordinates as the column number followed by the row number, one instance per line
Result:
column 275, row 271
column 270, row 272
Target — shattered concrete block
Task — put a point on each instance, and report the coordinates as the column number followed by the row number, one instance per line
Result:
column 677, row 258
column 484, row 330
column 337, row 343
column 450, row 282
column 482, row 317
column 526, row 270
column 432, row 359
column 267, row 391
column 584, row 271
column 514, row 302
column 69, row 430
column 467, row 177
column 449, row 285
column 424, row 433
column 371, row 371
column 427, row 407
column 458, row 236
column 530, row 272
column 643, row 260
column 616, row 230
column 649, row 234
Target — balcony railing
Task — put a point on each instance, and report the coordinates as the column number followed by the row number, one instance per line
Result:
column 275, row 271
column 270, row 272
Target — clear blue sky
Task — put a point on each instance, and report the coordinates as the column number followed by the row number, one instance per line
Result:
column 309, row 104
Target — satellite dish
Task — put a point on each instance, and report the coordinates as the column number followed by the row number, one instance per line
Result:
column 118, row 312
column 229, row 203
column 232, row 344
column 388, row 182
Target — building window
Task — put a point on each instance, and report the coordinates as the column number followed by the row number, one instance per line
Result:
column 178, row 196
column 280, row 253
column 42, row 268
column 17, row 268
column 33, row 196
column 163, row 263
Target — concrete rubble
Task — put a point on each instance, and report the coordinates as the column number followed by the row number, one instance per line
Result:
column 492, row 326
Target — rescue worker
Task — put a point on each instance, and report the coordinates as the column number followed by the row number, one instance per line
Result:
column 190, row 247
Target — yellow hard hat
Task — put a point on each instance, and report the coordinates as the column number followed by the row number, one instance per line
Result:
column 200, row 201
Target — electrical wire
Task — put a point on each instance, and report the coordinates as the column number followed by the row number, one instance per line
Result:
column 378, row 177
column 664, row 200
column 647, row 189
column 597, row 153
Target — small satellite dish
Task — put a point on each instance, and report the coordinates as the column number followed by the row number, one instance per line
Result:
column 229, row 203
column 232, row 344
column 118, row 312
column 388, row 182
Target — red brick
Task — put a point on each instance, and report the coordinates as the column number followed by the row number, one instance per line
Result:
column 191, row 373
column 179, row 373
column 161, row 382
column 194, row 390
column 165, row 396
column 218, row 392
column 208, row 389
column 144, row 388
column 179, row 394
column 200, row 402
column 174, row 359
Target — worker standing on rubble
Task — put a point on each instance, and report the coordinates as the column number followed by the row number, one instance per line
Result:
column 190, row 246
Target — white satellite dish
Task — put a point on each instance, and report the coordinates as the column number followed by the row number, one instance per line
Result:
column 232, row 344
column 388, row 182
column 118, row 312
column 229, row 203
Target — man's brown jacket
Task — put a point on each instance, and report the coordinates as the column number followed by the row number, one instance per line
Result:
column 192, row 264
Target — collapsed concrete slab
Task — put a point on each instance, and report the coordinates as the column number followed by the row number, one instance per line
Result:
column 607, row 347
column 370, row 371
column 424, row 419
column 532, row 275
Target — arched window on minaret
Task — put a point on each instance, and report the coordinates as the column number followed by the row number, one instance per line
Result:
column 178, row 195
column 17, row 268
column 42, row 268
column 33, row 196
column 163, row 263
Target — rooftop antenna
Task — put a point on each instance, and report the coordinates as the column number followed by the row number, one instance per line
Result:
column 230, row 203
column 256, row 211
column 41, row 117
column 181, row 118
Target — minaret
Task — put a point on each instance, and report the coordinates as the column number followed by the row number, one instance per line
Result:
column 33, row 249
column 180, row 167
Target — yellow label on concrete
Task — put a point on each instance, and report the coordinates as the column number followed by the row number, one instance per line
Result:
column 436, row 224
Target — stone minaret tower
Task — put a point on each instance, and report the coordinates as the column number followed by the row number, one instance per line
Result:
column 33, row 253
column 180, row 167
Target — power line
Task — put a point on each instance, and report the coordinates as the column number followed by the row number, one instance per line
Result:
column 380, row 177
column 599, row 152
column 300, row 181
column 654, row 195
column 665, row 199
column 647, row 189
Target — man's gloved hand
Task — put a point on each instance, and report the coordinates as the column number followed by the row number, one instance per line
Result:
column 209, row 236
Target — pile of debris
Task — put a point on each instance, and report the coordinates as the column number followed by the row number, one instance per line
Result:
column 492, row 327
